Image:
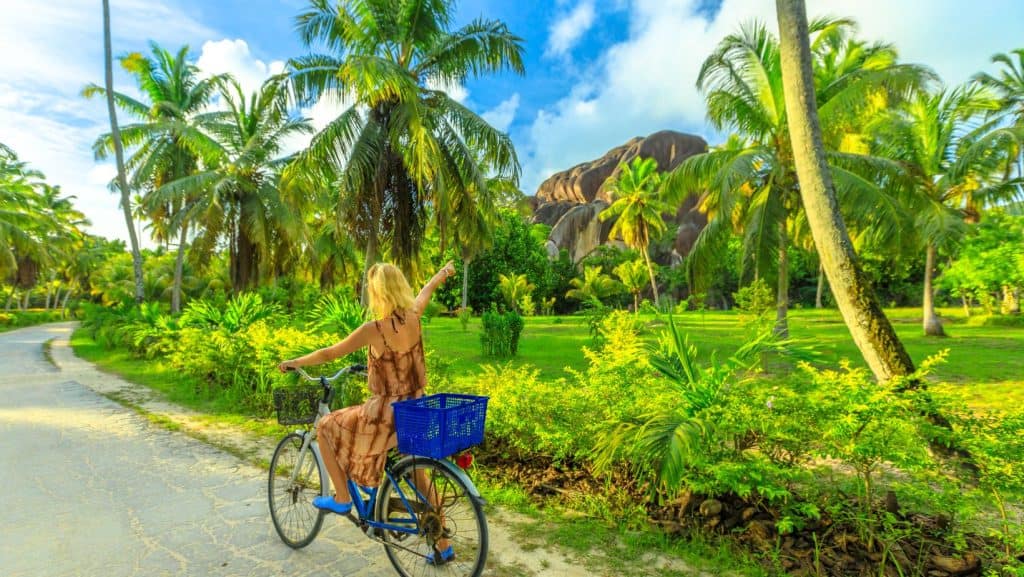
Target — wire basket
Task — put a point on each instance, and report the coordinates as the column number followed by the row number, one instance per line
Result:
column 297, row 405
column 440, row 425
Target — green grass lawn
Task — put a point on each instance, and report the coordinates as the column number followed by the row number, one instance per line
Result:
column 984, row 363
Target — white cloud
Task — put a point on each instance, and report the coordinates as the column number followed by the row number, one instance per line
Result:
column 54, row 49
column 647, row 82
column 565, row 32
column 456, row 92
column 235, row 58
column 502, row 115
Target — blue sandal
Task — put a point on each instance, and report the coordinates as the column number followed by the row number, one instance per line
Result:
column 441, row 557
column 327, row 503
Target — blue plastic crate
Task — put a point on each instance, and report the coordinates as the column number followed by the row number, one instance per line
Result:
column 440, row 425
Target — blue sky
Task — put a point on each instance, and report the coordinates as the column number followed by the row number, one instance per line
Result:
column 598, row 72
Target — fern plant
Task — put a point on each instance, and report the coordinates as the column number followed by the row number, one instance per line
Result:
column 337, row 315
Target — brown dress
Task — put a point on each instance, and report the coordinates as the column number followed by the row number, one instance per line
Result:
column 361, row 435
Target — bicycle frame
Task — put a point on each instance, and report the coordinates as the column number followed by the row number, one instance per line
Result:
column 365, row 506
column 308, row 437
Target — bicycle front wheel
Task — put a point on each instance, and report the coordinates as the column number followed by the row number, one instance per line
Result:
column 444, row 512
column 295, row 518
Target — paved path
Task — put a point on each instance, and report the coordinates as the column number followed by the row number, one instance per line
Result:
column 91, row 488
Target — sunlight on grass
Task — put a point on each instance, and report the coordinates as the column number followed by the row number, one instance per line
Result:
column 986, row 364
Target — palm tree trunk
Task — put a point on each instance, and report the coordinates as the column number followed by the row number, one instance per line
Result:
column 10, row 298
column 49, row 293
column 650, row 273
column 821, row 287
column 179, row 266
column 1011, row 304
column 782, row 298
column 465, row 282
column 25, row 301
column 245, row 268
column 932, row 325
column 64, row 305
column 371, row 259
column 115, row 134
column 636, row 303
column 56, row 297
column 871, row 330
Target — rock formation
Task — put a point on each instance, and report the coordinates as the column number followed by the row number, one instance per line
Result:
column 570, row 201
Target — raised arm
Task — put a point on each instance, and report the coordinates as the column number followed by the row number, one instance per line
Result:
column 428, row 289
column 350, row 344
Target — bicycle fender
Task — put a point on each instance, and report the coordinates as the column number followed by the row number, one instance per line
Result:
column 448, row 466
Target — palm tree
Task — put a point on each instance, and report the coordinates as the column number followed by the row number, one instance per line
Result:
column 632, row 274
column 122, row 179
column 472, row 214
column 1009, row 87
column 857, row 302
column 62, row 239
column 20, row 216
column 1003, row 135
column 751, row 183
column 925, row 136
column 242, row 198
column 637, row 208
column 401, row 142
column 593, row 287
column 514, row 288
column 166, row 138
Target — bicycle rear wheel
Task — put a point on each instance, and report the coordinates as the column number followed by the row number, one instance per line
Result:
column 444, row 510
column 295, row 518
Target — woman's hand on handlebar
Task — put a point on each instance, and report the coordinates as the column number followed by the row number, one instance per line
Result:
column 286, row 366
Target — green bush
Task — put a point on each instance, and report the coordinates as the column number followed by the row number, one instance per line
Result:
column 500, row 332
column 1015, row 321
column 559, row 417
column 755, row 299
column 995, row 442
column 337, row 315
column 27, row 318
column 465, row 316
column 432, row 310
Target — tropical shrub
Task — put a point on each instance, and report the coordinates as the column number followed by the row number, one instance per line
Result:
column 594, row 286
column 240, row 312
column 465, row 316
column 514, row 250
column 26, row 318
column 995, row 442
column 500, row 332
column 431, row 310
column 558, row 417
column 755, row 299
column 337, row 314
column 990, row 264
column 514, row 290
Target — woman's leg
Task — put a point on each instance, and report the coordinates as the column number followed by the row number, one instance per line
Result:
column 329, row 431
column 338, row 477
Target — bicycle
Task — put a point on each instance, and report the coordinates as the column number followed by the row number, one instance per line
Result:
column 422, row 498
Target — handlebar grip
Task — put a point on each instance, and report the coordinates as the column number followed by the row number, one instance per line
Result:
column 357, row 369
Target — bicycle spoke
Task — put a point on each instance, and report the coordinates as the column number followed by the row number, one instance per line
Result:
column 446, row 514
column 292, row 487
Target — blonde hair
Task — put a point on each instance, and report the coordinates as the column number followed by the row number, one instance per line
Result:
column 388, row 290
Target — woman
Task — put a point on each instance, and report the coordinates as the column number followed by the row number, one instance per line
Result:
column 355, row 440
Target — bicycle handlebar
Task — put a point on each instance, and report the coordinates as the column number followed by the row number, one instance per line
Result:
column 345, row 371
